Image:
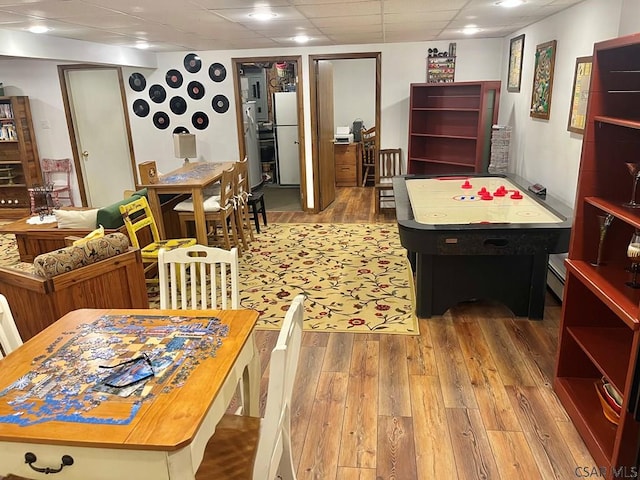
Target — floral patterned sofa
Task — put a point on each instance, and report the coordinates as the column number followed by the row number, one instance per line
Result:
column 105, row 272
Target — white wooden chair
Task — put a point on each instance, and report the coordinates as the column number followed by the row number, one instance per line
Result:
column 9, row 336
column 200, row 277
column 267, row 441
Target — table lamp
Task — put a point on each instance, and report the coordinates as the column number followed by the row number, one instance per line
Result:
column 184, row 146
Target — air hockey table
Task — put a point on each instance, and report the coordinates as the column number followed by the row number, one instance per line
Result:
column 479, row 237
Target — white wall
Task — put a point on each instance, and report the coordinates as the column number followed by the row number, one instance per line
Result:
column 354, row 91
column 630, row 17
column 543, row 151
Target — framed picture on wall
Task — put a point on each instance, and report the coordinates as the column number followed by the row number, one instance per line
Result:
column 516, row 50
column 543, row 80
column 580, row 94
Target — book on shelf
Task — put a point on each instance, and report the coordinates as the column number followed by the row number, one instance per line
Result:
column 8, row 132
column 6, row 111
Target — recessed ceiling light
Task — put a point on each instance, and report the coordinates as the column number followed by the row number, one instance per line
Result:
column 142, row 45
column 39, row 29
column 509, row 3
column 262, row 15
column 470, row 30
column 301, row 38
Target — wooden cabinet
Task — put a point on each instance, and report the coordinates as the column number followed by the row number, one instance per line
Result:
column 450, row 126
column 346, row 161
column 19, row 162
column 599, row 336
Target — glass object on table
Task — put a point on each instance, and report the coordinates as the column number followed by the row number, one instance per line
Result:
column 634, row 171
column 604, row 222
column 633, row 253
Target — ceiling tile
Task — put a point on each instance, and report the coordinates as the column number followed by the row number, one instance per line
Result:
column 172, row 25
column 336, row 21
column 340, row 9
column 415, row 27
column 419, row 6
column 242, row 14
column 56, row 9
column 419, row 17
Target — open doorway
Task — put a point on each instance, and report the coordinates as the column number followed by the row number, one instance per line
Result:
column 270, row 123
column 322, row 157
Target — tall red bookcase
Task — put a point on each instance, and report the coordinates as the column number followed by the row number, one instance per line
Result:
column 450, row 126
column 600, row 328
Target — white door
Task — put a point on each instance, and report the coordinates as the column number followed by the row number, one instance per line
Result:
column 98, row 116
column 288, row 155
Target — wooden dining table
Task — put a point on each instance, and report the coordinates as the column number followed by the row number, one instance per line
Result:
column 56, row 413
column 190, row 179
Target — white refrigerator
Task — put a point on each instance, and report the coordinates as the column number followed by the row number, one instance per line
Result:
column 285, row 114
column 251, row 144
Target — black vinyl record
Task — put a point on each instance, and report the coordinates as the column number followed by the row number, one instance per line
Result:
column 174, row 78
column 178, row 105
column 200, row 120
column 161, row 120
column 137, row 82
column 192, row 63
column 195, row 90
column 157, row 93
column 217, row 72
column 181, row 129
column 220, row 103
column 141, row 108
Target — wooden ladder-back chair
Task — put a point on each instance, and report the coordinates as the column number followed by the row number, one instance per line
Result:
column 389, row 166
column 368, row 155
column 57, row 172
column 250, row 448
column 137, row 216
column 199, row 278
column 218, row 211
column 9, row 336
column 243, row 216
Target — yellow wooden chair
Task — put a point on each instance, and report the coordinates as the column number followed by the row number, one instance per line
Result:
column 137, row 216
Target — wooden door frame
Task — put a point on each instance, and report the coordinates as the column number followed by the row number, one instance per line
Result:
column 313, row 98
column 62, row 69
column 297, row 59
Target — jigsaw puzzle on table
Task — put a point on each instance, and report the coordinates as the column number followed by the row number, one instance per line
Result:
column 111, row 365
column 465, row 200
column 197, row 171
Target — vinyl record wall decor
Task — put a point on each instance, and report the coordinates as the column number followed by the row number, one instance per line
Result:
column 176, row 94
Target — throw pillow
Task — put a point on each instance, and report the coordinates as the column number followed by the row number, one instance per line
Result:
column 76, row 218
column 97, row 233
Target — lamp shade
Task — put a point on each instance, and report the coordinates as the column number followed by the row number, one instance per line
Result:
column 184, row 145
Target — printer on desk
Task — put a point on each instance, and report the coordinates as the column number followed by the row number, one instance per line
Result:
column 343, row 135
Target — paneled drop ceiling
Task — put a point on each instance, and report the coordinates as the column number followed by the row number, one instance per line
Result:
column 178, row 25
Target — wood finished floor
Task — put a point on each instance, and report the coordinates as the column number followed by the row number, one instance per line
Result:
column 470, row 398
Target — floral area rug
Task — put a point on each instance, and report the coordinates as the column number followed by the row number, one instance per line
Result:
column 355, row 277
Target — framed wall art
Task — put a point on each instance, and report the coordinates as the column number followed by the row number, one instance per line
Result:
column 543, row 80
column 580, row 94
column 516, row 50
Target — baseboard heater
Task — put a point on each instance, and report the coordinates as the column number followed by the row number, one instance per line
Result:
column 556, row 274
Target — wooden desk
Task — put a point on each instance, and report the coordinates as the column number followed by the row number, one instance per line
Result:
column 190, row 179
column 160, row 436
